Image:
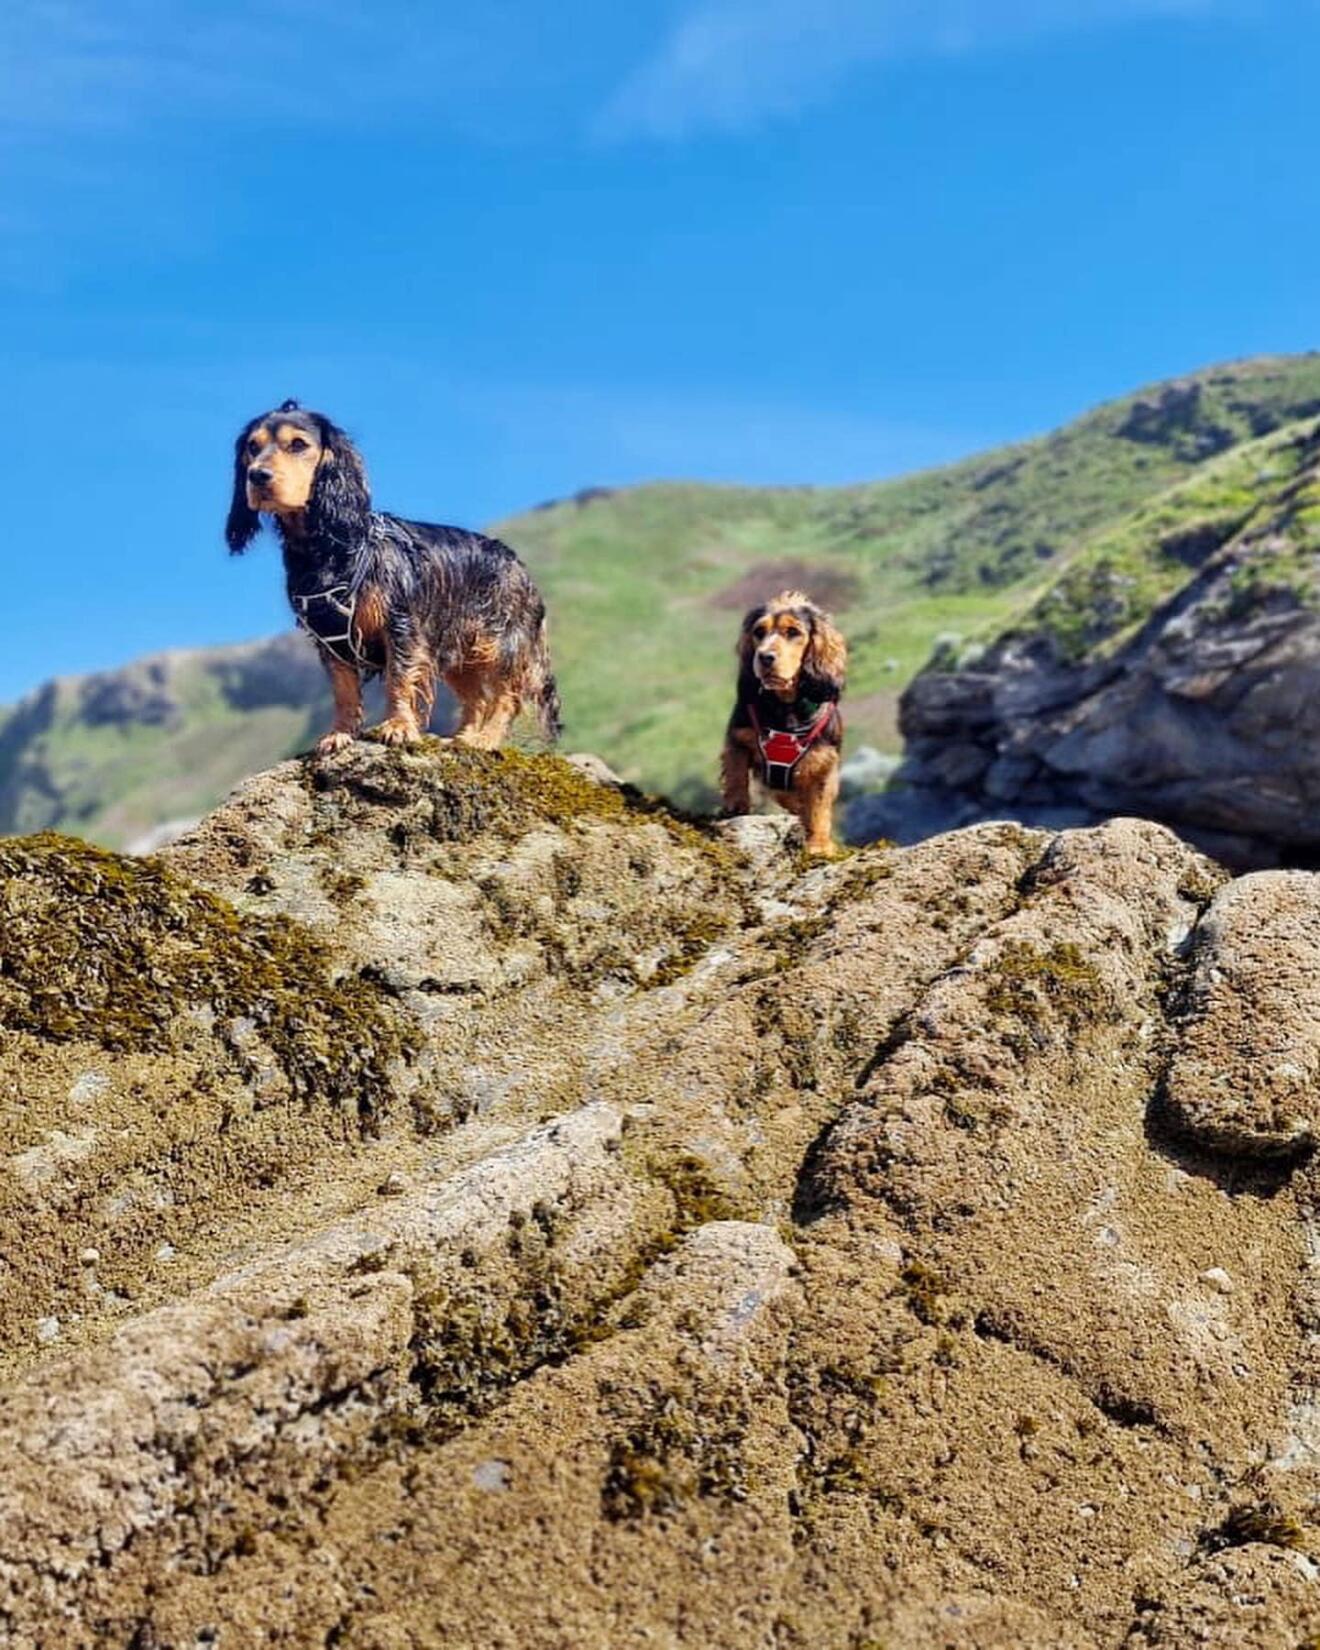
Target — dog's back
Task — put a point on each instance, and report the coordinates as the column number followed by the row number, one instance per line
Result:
column 476, row 602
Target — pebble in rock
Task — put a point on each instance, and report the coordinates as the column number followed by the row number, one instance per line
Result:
column 491, row 1475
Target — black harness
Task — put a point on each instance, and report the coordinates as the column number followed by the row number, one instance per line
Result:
column 329, row 618
column 781, row 749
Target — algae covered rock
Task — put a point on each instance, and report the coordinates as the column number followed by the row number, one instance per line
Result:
column 122, row 953
column 451, row 1199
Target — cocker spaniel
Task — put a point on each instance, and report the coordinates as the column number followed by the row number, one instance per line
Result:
column 383, row 596
column 786, row 729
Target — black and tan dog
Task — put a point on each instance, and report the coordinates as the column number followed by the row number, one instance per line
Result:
column 786, row 729
column 383, row 596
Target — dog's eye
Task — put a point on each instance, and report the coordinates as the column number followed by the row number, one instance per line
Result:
column 298, row 445
column 793, row 635
column 254, row 446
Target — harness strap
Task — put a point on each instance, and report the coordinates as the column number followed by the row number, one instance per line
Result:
column 781, row 751
column 338, row 604
column 344, row 645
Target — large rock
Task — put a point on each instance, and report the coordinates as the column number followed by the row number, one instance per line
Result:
column 1246, row 1069
column 1172, row 672
column 452, row 1200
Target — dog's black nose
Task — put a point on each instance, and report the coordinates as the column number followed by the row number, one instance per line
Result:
column 766, row 656
column 259, row 478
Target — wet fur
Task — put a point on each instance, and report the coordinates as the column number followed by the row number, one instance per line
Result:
column 433, row 603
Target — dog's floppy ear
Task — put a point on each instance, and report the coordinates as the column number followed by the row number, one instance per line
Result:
column 825, row 663
column 243, row 524
column 747, row 683
column 340, row 503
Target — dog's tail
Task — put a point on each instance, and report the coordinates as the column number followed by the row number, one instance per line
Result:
column 544, row 690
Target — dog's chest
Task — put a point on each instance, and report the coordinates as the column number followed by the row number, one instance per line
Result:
column 346, row 623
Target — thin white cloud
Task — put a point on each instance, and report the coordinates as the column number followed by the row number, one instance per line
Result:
column 734, row 64
column 95, row 93
column 119, row 113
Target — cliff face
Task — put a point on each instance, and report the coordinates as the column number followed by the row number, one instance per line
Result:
column 1171, row 672
column 448, row 1200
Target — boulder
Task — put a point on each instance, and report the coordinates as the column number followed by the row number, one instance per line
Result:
column 451, row 1199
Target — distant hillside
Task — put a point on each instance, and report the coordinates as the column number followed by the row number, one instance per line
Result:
column 114, row 754
column 646, row 586
column 1172, row 671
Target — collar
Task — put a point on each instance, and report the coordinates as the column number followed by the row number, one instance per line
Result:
column 768, row 710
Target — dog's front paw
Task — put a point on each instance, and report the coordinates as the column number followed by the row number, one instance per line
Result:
column 397, row 730
column 332, row 742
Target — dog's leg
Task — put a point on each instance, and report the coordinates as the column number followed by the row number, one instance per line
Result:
column 409, row 676
column 488, row 708
column 468, row 688
column 487, row 732
column 817, row 812
column 346, row 685
column 735, row 778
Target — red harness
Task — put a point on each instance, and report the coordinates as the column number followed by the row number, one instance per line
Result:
column 781, row 751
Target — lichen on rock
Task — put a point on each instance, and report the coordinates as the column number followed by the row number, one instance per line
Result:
column 730, row 1253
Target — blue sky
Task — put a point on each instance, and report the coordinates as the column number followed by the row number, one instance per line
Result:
column 519, row 249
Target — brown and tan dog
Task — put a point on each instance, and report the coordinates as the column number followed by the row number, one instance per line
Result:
column 384, row 596
column 786, row 730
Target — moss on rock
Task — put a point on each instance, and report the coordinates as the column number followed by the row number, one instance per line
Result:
column 469, row 793
column 1265, row 1522
column 118, row 951
column 1027, row 983
column 680, row 1447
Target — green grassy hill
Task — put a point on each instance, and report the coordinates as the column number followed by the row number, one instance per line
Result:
column 112, row 755
column 1171, row 671
column 646, row 586
column 1263, row 492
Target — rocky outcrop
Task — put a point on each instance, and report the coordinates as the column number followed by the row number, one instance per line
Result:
column 450, row 1199
column 1173, row 673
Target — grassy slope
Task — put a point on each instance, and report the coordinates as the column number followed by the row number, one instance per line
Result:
column 646, row 587
column 634, row 579
column 139, row 779
column 1262, row 498
column 117, row 780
